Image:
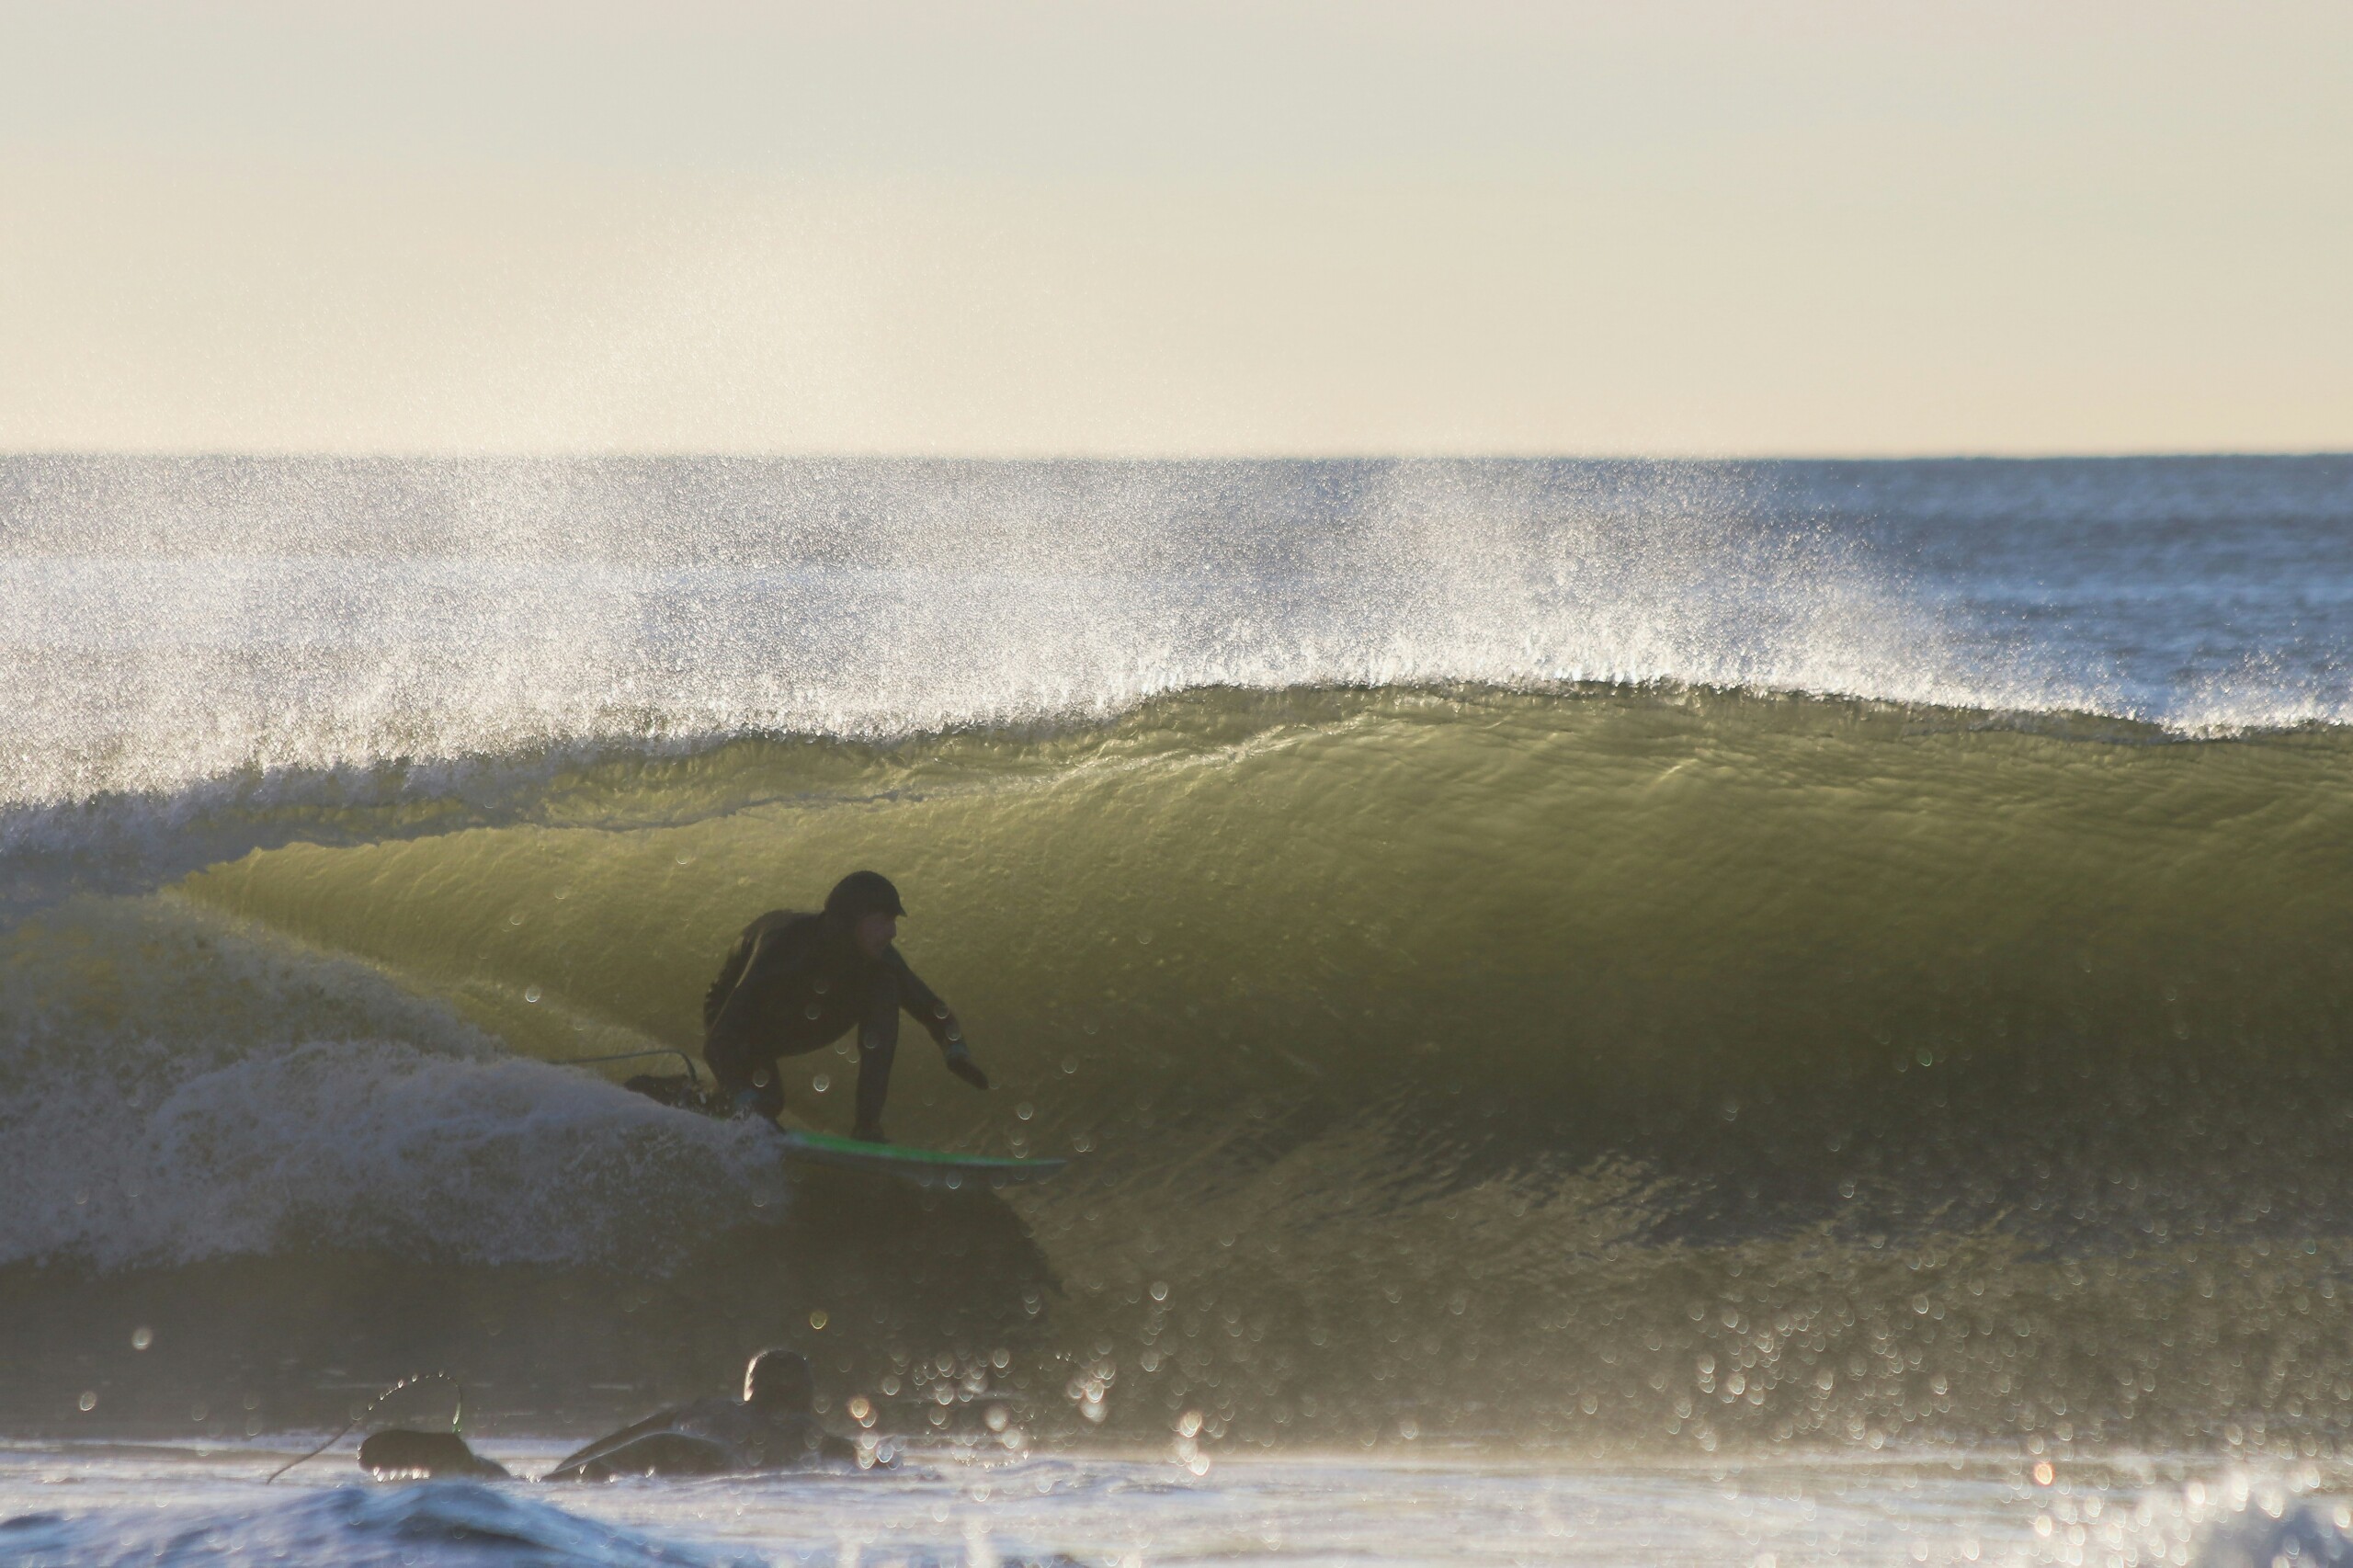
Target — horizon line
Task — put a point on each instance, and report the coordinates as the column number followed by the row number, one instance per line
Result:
column 1073, row 459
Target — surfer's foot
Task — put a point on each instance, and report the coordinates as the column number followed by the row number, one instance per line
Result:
column 870, row 1133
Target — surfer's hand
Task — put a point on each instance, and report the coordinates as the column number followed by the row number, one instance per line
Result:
column 960, row 1063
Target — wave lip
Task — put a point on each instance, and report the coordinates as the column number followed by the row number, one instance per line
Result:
column 169, row 624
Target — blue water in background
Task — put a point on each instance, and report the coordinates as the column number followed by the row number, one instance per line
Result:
column 2212, row 590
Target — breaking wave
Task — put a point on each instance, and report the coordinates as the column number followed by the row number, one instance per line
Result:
column 1578, row 954
column 1496, row 1056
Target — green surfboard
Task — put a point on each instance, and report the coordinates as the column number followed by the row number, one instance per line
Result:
column 924, row 1168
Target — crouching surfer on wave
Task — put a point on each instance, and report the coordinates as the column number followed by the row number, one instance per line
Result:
column 796, row 983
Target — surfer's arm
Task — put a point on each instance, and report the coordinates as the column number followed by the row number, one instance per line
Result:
column 568, row 1469
column 924, row 1004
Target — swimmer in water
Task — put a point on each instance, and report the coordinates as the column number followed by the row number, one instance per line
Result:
column 771, row 1427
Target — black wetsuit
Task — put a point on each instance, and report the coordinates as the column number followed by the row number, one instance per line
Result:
column 795, row 984
column 710, row 1436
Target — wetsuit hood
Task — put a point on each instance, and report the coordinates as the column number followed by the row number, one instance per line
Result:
column 859, row 894
column 779, row 1379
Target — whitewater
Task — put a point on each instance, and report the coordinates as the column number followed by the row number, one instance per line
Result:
column 1603, row 1012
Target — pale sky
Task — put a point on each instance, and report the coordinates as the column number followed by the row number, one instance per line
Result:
column 1655, row 226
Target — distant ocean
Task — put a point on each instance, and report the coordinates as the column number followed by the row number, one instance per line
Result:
column 1760, row 1013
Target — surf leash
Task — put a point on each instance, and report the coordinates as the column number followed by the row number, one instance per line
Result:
column 457, row 1417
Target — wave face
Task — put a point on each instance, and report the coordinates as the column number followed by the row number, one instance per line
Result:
column 1490, row 1053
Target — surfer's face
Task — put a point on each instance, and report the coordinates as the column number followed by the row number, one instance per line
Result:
column 875, row 932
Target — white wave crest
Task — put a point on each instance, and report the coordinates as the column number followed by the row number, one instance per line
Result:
column 207, row 621
column 133, row 1136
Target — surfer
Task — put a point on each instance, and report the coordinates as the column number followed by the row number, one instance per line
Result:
column 770, row 1428
column 796, row 983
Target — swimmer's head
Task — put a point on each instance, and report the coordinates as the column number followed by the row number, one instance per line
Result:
column 779, row 1379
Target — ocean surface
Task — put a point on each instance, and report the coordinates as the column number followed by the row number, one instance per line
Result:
column 1772, row 1013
